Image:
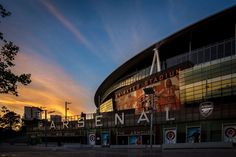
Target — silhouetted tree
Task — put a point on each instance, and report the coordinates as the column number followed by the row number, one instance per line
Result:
column 9, row 120
column 9, row 80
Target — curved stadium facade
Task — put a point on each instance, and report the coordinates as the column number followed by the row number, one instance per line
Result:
column 179, row 90
column 192, row 78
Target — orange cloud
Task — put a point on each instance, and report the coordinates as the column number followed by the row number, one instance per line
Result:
column 50, row 88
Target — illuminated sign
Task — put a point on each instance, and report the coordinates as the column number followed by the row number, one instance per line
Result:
column 168, row 73
column 165, row 85
column 167, row 95
column 148, row 81
column 106, row 106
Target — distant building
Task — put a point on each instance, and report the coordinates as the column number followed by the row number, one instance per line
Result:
column 55, row 118
column 31, row 113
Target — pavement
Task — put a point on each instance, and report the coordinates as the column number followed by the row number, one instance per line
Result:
column 53, row 151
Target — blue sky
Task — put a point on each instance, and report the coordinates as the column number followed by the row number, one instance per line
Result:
column 71, row 46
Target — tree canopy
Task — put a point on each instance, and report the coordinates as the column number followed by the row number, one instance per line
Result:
column 9, row 120
column 8, row 52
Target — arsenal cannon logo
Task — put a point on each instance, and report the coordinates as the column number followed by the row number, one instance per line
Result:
column 206, row 108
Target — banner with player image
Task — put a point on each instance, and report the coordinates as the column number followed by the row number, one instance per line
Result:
column 167, row 94
column 229, row 132
column 105, row 138
column 193, row 134
column 170, row 135
column 135, row 140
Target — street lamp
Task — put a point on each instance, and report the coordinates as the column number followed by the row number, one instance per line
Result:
column 151, row 92
column 45, row 124
column 66, row 109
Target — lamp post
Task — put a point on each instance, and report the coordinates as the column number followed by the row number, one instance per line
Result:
column 151, row 92
column 45, row 124
column 66, row 109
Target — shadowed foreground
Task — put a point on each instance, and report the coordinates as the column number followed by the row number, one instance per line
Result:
column 39, row 151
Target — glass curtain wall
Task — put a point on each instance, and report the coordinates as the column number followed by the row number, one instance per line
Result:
column 204, row 54
column 208, row 80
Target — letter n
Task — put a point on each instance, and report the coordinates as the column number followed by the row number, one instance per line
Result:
column 121, row 120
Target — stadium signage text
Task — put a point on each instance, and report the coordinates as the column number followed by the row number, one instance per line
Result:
column 171, row 72
column 119, row 119
column 148, row 81
column 168, row 73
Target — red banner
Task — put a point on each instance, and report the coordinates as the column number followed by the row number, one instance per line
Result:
column 166, row 95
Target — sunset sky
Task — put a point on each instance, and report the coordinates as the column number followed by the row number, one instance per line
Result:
column 71, row 46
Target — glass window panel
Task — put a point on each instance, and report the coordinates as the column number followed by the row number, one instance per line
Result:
column 233, row 62
column 198, row 92
column 234, row 80
column 233, row 69
column 173, row 61
column 228, row 48
column 198, row 96
column 207, row 54
column 189, row 93
column 226, row 82
column 199, row 85
column 215, row 74
column 184, row 58
column 233, row 46
column 200, row 56
column 234, row 89
column 217, row 83
column 226, row 92
column 197, row 72
column 226, row 71
column 190, row 98
column 216, row 67
column 193, row 58
column 220, row 51
column 189, row 89
column 213, row 53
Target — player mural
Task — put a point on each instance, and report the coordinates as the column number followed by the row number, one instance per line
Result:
column 105, row 138
column 135, row 140
column 166, row 95
column 193, row 135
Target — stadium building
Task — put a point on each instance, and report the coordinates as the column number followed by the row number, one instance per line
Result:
column 179, row 90
column 192, row 78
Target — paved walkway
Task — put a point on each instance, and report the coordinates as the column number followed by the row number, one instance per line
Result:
column 39, row 151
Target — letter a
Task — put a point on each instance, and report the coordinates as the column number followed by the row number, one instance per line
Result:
column 52, row 126
column 143, row 117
